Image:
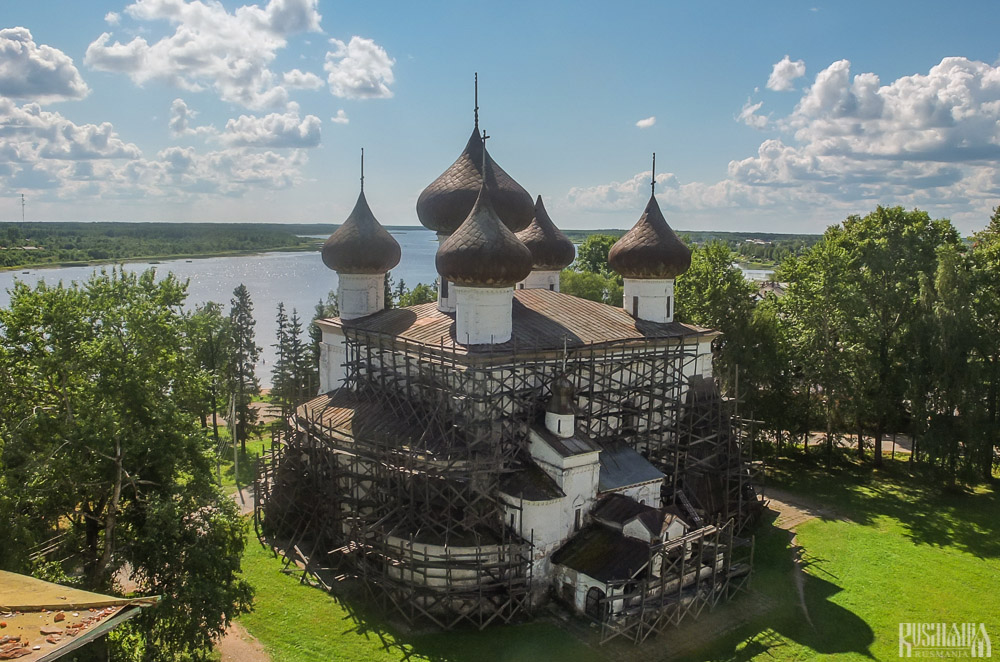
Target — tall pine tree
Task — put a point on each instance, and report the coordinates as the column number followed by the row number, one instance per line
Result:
column 242, row 370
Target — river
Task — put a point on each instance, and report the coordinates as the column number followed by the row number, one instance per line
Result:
column 297, row 278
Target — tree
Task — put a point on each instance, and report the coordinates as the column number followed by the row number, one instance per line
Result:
column 242, row 371
column 281, row 370
column 592, row 254
column 211, row 337
column 418, row 295
column 887, row 251
column 100, row 437
column 324, row 310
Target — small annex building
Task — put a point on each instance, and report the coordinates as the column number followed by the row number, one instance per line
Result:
column 468, row 459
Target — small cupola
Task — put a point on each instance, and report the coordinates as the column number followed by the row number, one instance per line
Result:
column 361, row 251
column 551, row 250
column 445, row 204
column 483, row 259
column 560, row 412
column 649, row 257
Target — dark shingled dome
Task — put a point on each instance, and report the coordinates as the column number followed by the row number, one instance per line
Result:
column 445, row 204
column 650, row 249
column 563, row 400
column 482, row 252
column 550, row 248
column 361, row 245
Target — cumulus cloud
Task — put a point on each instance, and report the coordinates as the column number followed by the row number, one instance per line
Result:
column 33, row 72
column 929, row 140
column 784, row 72
column 359, row 69
column 180, row 121
column 112, row 18
column 274, row 131
column 646, row 123
column 340, row 117
column 748, row 115
column 301, row 79
column 210, row 47
column 35, row 133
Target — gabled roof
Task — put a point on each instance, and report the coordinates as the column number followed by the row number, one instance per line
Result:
column 616, row 510
column 603, row 554
column 622, row 466
column 578, row 444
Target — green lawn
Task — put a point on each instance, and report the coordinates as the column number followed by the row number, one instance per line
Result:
column 900, row 552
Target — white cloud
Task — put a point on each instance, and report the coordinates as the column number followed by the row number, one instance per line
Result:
column 180, row 117
column 646, row 123
column 274, row 131
column 748, row 115
column 360, row 69
column 112, row 18
column 305, row 80
column 926, row 140
column 34, row 133
column 340, row 118
column 210, row 47
column 784, row 72
column 31, row 72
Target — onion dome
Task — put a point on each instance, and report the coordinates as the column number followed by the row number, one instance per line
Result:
column 550, row 249
column 650, row 249
column 447, row 201
column 361, row 245
column 563, row 398
column 482, row 252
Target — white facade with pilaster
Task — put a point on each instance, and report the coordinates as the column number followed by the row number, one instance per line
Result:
column 650, row 299
column 360, row 294
column 483, row 315
column 540, row 280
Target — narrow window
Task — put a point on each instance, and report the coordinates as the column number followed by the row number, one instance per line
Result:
column 552, row 287
column 520, row 286
column 670, row 306
column 576, row 521
column 558, row 425
column 512, row 520
column 635, row 307
column 444, row 289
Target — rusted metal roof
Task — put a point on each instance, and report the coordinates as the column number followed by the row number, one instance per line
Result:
column 542, row 320
column 578, row 444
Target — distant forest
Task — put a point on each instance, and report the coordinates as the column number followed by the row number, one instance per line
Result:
column 31, row 244
column 68, row 243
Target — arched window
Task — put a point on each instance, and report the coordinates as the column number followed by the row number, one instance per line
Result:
column 594, row 606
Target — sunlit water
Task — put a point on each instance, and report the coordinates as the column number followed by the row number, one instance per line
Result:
column 299, row 279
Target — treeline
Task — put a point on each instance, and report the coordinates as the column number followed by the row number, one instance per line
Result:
column 890, row 324
column 52, row 243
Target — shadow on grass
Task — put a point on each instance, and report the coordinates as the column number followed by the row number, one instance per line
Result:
column 815, row 623
column 968, row 520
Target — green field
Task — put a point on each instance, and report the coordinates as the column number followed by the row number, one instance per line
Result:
column 889, row 548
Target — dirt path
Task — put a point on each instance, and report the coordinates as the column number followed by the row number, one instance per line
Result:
column 238, row 645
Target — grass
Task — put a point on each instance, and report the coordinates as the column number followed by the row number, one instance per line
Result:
column 297, row 623
column 900, row 549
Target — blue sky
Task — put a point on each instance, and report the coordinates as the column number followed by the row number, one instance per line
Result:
column 777, row 116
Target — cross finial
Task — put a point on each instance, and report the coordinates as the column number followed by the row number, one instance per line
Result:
column 362, row 169
column 477, row 100
column 485, row 138
column 653, row 182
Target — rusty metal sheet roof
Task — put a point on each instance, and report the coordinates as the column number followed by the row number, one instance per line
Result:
column 542, row 320
column 530, row 484
column 578, row 444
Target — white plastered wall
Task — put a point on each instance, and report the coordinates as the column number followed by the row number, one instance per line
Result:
column 446, row 291
column 650, row 299
column 360, row 294
column 483, row 315
column 540, row 280
column 332, row 356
